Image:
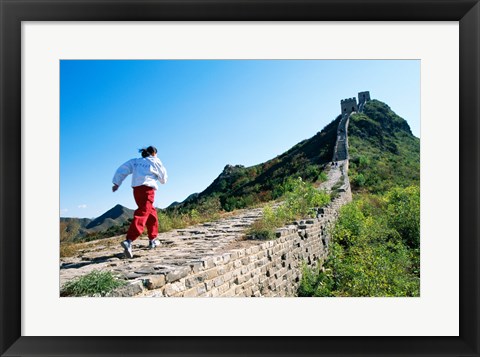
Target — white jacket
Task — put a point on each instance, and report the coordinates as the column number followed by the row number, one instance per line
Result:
column 145, row 171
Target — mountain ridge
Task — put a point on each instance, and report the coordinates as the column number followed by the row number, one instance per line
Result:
column 380, row 143
column 72, row 228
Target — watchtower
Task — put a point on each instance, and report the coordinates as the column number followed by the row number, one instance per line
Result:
column 363, row 97
column 348, row 105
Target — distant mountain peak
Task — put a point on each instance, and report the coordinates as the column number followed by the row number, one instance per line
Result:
column 119, row 214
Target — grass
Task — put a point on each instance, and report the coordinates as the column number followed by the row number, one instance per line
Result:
column 174, row 220
column 68, row 249
column 71, row 249
column 93, row 283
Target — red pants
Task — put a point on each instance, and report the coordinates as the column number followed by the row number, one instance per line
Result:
column 145, row 214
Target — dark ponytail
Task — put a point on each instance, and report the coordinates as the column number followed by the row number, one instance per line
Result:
column 148, row 151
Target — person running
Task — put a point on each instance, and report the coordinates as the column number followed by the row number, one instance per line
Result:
column 145, row 173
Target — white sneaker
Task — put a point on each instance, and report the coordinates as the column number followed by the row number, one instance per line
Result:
column 127, row 245
column 153, row 243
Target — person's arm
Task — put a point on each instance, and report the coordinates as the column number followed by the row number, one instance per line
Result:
column 121, row 173
column 161, row 172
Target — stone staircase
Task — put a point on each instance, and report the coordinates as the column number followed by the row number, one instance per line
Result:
column 341, row 145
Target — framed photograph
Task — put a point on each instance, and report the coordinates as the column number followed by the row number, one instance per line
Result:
column 204, row 79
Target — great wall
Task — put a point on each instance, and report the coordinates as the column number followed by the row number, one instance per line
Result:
column 214, row 259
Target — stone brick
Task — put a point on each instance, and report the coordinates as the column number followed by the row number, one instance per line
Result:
column 236, row 272
column 208, row 263
column 196, row 266
column 174, row 288
column 177, row 274
column 248, row 284
column 263, row 246
column 191, row 293
column 227, row 276
column 190, row 282
column 262, row 254
column 255, row 249
column 226, row 257
column 279, row 248
column 218, row 260
column 218, row 281
column 211, row 274
column 201, row 289
column 229, row 293
column 209, row 284
column 127, row 290
column 214, row 292
column 223, row 288
column 154, row 281
column 240, row 279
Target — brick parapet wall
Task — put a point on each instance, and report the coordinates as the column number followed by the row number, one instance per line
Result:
column 269, row 268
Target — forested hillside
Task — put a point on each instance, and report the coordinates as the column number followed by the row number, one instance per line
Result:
column 375, row 249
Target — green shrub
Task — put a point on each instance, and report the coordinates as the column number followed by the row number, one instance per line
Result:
column 358, row 180
column 265, row 227
column 210, row 206
column 322, row 177
column 314, row 282
column 300, row 202
column 164, row 222
column 93, row 283
column 404, row 213
column 363, row 162
column 374, row 249
column 349, row 224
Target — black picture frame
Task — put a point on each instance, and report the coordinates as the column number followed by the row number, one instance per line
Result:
column 13, row 12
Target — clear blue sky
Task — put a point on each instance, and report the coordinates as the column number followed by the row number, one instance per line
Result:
column 202, row 115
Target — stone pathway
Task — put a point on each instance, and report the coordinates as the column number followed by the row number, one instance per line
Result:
column 180, row 249
column 333, row 175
